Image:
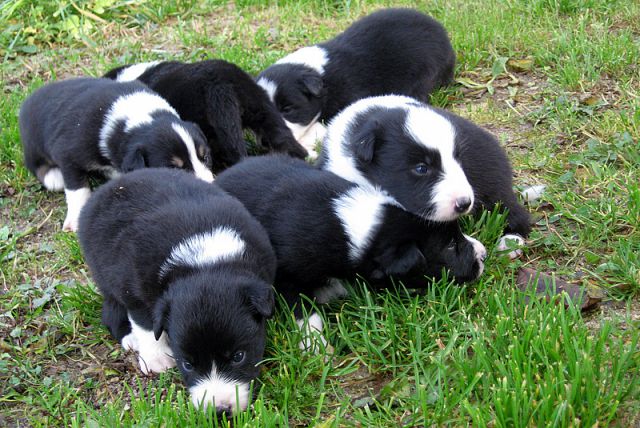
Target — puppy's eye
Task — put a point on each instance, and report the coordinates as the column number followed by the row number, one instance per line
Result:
column 187, row 366
column 421, row 169
column 238, row 357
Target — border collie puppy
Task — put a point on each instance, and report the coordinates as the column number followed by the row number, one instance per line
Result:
column 186, row 276
column 436, row 164
column 73, row 128
column 399, row 51
column 222, row 99
column 322, row 226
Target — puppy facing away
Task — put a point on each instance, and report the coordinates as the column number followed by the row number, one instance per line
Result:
column 222, row 99
column 436, row 164
column 322, row 227
column 186, row 276
column 73, row 128
column 391, row 51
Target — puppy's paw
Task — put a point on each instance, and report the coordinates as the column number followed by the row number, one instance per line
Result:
column 155, row 362
column 312, row 339
column 130, row 342
column 512, row 243
column 70, row 223
column 480, row 252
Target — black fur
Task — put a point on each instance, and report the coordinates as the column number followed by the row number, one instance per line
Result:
column 399, row 51
column 295, row 203
column 209, row 311
column 222, row 99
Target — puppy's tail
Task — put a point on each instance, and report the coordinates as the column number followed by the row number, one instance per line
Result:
column 51, row 177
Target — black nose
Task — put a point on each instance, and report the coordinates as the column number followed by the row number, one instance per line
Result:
column 463, row 204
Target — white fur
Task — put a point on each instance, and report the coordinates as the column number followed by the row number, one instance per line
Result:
column 480, row 252
column 533, row 193
column 154, row 356
column 134, row 71
column 512, row 242
column 53, row 180
column 75, row 201
column 333, row 290
column 269, row 87
column 312, row 334
column 313, row 57
column 222, row 243
column 201, row 171
column 360, row 211
column 308, row 135
column 135, row 109
column 220, row 391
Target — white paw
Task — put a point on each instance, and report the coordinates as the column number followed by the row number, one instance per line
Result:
column 75, row 201
column 154, row 356
column 313, row 341
column 70, row 223
column 513, row 243
column 480, row 252
column 130, row 342
column 532, row 193
column 155, row 362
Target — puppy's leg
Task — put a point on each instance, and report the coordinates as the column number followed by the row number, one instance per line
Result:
column 77, row 193
column 480, row 252
column 114, row 316
column 224, row 117
column 154, row 356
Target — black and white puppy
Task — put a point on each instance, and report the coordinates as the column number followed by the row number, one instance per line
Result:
column 186, row 276
column 322, row 226
column 73, row 128
column 436, row 164
column 391, row 51
column 222, row 99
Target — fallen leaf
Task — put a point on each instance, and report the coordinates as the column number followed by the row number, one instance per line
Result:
column 520, row 65
column 548, row 285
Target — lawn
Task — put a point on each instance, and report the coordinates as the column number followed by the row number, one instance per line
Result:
column 558, row 81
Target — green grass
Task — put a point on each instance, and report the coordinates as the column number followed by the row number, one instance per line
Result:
column 484, row 354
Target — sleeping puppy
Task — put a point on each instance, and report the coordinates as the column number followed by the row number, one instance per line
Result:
column 436, row 164
column 222, row 99
column 73, row 128
column 391, row 51
column 322, row 226
column 186, row 276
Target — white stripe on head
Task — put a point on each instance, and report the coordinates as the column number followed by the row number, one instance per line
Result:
column 135, row 109
column 360, row 212
column 221, row 391
column 53, row 179
column 153, row 355
column 335, row 147
column 200, row 170
column 269, row 87
column 76, row 199
column 313, row 57
column 432, row 130
column 221, row 244
column 134, row 71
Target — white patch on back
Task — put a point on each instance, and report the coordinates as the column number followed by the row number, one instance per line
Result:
column 154, row 356
column 269, row 87
column 480, row 252
column 221, row 244
column 201, row 171
column 313, row 57
column 75, row 201
column 134, row 71
column 220, row 390
column 135, row 109
column 360, row 212
column 53, row 180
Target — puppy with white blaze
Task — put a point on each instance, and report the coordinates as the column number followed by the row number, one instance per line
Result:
column 186, row 274
column 75, row 128
column 223, row 100
column 322, row 227
column 391, row 51
column 436, row 164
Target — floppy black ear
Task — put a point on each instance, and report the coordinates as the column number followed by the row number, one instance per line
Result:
column 313, row 84
column 160, row 316
column 260, row 299
column 363, row 141
column 403, row 259
column 133, row 159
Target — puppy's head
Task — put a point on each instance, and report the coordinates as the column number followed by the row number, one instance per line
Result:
column 168, row 142
column 215, row 321
column 406, row 148
column 297, row 91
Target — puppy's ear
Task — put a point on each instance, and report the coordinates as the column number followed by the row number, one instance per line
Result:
column 134, row 159
column 313, row 84
column 160, row 316
column 260, row 299
column 401, row 260
column 363, row 141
